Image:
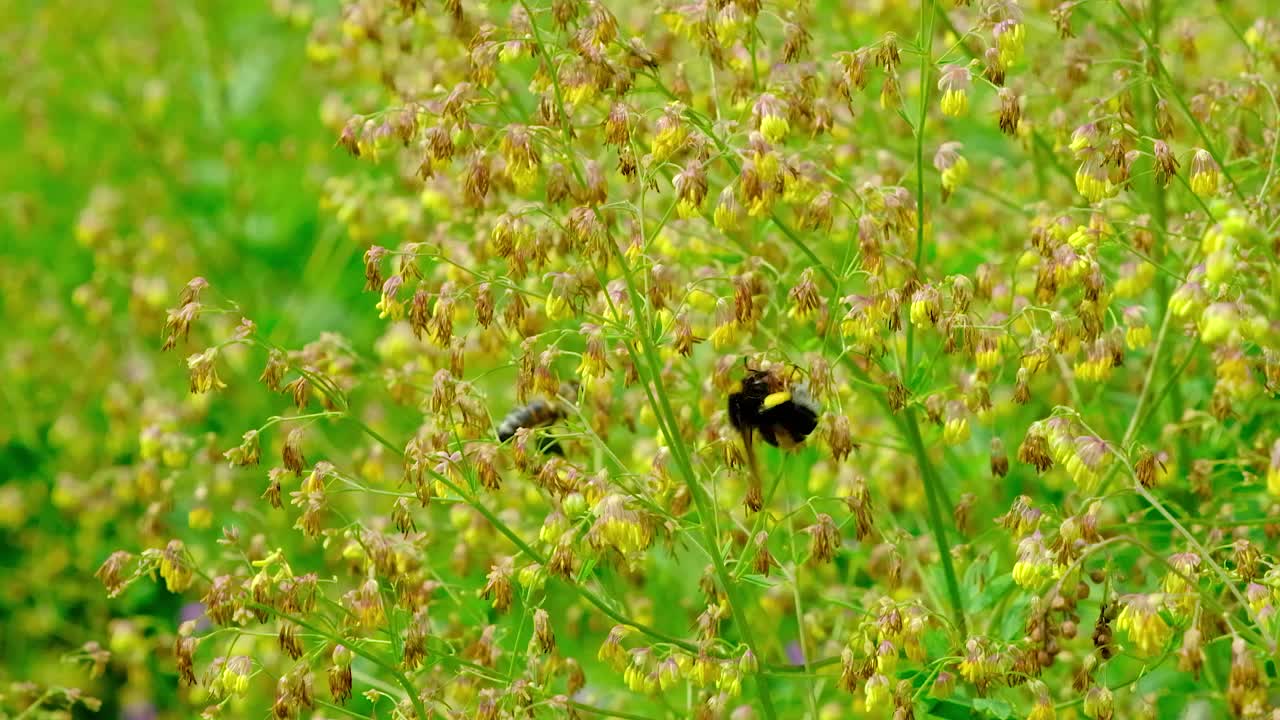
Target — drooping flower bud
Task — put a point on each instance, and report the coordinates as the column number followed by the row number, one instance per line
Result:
column 1205, row 174
column 954, row 85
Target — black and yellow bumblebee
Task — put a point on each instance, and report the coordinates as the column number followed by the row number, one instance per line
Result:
column 782, row 411
column 540, row 412
column 768, row 402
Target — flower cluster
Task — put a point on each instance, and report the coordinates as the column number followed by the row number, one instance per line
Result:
column 464, row 449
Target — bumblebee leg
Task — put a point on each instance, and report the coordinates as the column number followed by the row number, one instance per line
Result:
column 754, row 500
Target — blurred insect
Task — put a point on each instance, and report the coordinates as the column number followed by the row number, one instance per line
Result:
column 782, row 411
column 540, row 412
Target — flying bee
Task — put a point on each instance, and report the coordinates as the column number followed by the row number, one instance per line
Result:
column 540, row 412
column 781, row 410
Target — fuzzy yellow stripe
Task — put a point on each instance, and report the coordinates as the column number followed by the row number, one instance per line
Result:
column 775, row 400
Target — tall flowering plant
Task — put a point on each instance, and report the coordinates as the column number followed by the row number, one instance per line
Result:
column 1044, row 365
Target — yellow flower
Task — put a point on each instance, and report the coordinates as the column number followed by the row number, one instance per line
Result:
column 1093, row 182
column 774, row 128
column 877, row 691
column 956, row 431
column 556, row 307
column 1205, row 174
column 203, row 372
column 954, row 85
column 728, row 212
column 724, row 336
column 1043, row 709
column 1136, row 281
column 1218, row 322
column 390, row 308
column 1009, row 37
column 1136, row 338
column 200, row 518
column 955, row 103
column 1141, row 619
column 704, row 672
column 1188, row 300
column 955, row 175
column 1220, row 265
column 671, row 134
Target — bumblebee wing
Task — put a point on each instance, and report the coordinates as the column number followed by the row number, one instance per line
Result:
column 741, row 412
column 805, row 411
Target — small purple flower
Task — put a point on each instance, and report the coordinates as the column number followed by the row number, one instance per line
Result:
column 195, row 611
column 139, row 711
column 794, row 653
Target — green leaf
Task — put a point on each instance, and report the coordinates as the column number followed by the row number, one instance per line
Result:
column 951, row 710
column 587, row 568
column 757, row 580
column 995, row 590
column 993, row 707
column 1012, row 624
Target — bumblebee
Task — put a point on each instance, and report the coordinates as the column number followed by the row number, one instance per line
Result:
column 540, row 412
column 783, row 412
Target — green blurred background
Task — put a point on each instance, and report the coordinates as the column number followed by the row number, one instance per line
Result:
column 141, row 144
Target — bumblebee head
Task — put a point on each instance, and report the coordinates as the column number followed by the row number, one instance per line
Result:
column 785, row 371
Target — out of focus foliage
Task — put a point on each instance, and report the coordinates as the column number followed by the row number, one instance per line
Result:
column 143, row 143
column 272, row 276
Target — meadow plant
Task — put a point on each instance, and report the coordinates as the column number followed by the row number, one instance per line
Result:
column 1022, row 255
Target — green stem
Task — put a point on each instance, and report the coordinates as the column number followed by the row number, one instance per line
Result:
column 333, row 707
column 1160, row 210
column 932, row 487
column 524, row 547
column 799, row 609
column 927, row 11
column 706, row 509
column 565, row 126
column 1140, row 407
column 926, row 61
column 1171, row 385
column 355, row 648
column 1161, row 70
column 35, row 705
column 937, row 526
column 1204, row 554
column 602, row 712
column 935, row 493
